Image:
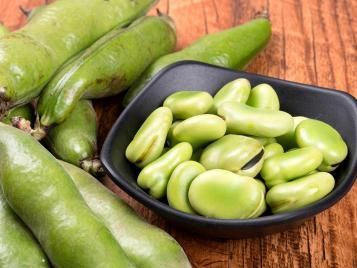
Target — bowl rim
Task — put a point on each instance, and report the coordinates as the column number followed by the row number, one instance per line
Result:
column 328, row 201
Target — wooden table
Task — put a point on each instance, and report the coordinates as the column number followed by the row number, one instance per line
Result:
column 313, row 42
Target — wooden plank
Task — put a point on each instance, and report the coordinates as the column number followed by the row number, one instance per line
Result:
column 313, row 42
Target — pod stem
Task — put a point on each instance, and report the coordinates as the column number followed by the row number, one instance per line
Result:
column 38, row 132
column 93, row 166
column 263, row 14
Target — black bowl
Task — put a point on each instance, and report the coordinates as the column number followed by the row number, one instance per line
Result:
column 334, row 107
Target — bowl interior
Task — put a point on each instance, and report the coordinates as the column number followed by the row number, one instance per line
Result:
column 336, row 108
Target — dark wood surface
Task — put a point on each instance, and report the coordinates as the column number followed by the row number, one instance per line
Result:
column 313, row 42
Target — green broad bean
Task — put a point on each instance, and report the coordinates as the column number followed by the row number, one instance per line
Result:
column 290, row 165
column 252, row 168
column 185, row 104
column 264, row 141
column 221, row 194
column 299, row 193
column 263, row 96
column 232, row 153
column 272, row 149
column 243, row 119
column 149, row 141
column 324, row 137
column 288, row 140
column 238, row 90
column 199, row 130
column 179, row 184
column 156, row 175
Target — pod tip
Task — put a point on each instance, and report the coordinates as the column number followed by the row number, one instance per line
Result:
column 93, row 166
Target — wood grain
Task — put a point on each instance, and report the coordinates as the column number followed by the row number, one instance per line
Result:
column 313, row 42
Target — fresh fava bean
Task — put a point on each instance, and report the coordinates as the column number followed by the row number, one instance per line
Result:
column 290, row 165
column 324, row 137
column 179, row 183
column 327, row 168
column 299, row 193
column 263, row 205
column 253, row 167
column 18, row 247
column 75, row 139
column 156, row 175
column 231, row 152
column 221, row 194
column 233, row 48
column 272, row 149
column 199, row 130
column 288, row 140
column 185, row 104
column 149, row 141
column 61, row 30
column 238, row 90
column 236, row 153
column 43, row 195
column 146, row 245
column 243, row 119
column 263, row 96
column 108, row 67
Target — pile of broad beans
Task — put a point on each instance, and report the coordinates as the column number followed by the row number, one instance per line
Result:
column 54, row 213
column 233, row 155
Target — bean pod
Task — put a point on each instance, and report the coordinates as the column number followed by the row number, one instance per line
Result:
column 43, row 195
column 32, row 55
column 233, row 48
column 146, row 245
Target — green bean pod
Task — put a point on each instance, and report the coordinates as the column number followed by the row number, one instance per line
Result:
column 290, row 165
column 272, row 149
column 264, row 96
column 221, row 194
column 299, row 193
column 185, row 104
column 43, row 195
column 243, row 119
column 233, row 48
column 234, row 153
column 75, row 139
column 237, row 90
column 148, row 143
column 179, row 183
column 199, row 130
column 32, row 55
column 156, row 175
column 108, row 67
column 18, row 247
column 324, row 137
column 146, row 245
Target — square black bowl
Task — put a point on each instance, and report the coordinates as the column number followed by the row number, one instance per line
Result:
column 334, row 107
